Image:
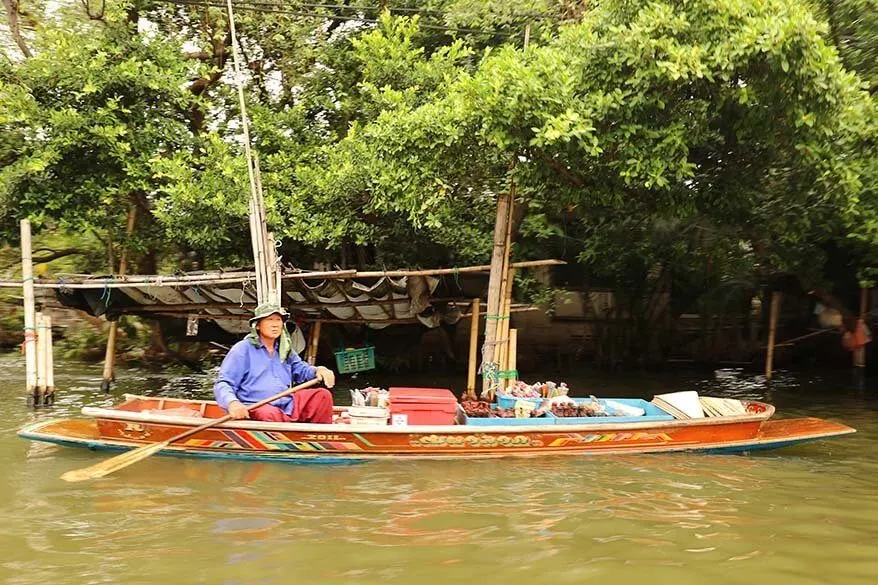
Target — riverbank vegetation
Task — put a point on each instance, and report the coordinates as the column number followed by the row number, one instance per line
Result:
column 690, row 150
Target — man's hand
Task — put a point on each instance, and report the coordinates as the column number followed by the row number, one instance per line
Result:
column 326, row 376
column 238, row 410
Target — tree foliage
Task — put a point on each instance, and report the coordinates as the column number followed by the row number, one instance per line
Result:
column 716, row 139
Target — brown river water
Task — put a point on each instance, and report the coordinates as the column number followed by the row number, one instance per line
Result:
column 801, row 515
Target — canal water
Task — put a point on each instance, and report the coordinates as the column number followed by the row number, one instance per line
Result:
column 802, row 515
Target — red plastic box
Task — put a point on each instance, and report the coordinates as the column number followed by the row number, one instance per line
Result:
column 424, row 406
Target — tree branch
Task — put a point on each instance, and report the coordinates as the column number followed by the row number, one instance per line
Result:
column 561, row 169
column 58, row 254
column 12, row 15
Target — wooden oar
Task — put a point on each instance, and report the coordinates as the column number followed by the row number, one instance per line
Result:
column 131, row 457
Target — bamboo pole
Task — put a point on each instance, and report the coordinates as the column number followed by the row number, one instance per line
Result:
column 473, row 345
column 494, row 289
column 276, row 271
column 141, row 280
column 462, row 269
column 502, row 347
column 41, row 358
column 772, row 330
column 108, row 376
column 315, row 342
column 255, row 246
column 27, row 283
column 788, row 342
column 49, row 398
column 310, row 319
column 513, row 355
column 256, row 212
column 505, row 325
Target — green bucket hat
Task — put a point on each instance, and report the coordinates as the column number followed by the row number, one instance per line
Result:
column 266, row 309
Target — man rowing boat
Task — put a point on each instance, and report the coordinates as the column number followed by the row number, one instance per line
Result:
column 263, row 364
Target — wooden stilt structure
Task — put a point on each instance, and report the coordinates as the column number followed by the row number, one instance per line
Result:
column 108, row 375
column 473, row 345
column 314, row 344
column 772, row 330
column 30, row 345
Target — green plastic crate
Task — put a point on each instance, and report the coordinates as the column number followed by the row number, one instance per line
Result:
column 355, row 360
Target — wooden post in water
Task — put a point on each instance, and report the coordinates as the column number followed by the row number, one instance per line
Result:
column 30, row 346
column 860, row 352
column 315, row 341
column 110, row 354
column 772, row 330
column 49, row 397
column 41, row 359
column 473, row 344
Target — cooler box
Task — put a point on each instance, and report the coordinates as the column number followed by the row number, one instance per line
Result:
column 423, row 406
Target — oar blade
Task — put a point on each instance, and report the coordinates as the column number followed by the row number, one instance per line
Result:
column 114, row 463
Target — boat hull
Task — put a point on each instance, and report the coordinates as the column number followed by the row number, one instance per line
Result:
column 334, row 445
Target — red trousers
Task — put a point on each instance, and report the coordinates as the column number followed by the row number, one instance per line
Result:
column 311, row 405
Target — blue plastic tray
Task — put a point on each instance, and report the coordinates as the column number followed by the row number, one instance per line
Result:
column 653, row 413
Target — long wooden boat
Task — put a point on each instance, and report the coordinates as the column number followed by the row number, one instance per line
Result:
column 141, row 420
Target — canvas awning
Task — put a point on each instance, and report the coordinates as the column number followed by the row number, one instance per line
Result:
column 376, row 299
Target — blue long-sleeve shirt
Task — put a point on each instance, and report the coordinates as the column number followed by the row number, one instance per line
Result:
column 249, row 374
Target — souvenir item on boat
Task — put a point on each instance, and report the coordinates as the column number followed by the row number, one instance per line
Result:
column 476, row 408
column 621, row 409
column 524, row 390
column 721, row 406
column 683, row 405
column 370, row 396
column 368, row 415
column 546, row 389
column 524, row 408
column 583, row 408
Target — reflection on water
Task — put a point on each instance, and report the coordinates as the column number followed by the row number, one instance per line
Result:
column 802, row 515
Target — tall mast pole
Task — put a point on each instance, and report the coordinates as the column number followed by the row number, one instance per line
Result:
column 258, row 230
